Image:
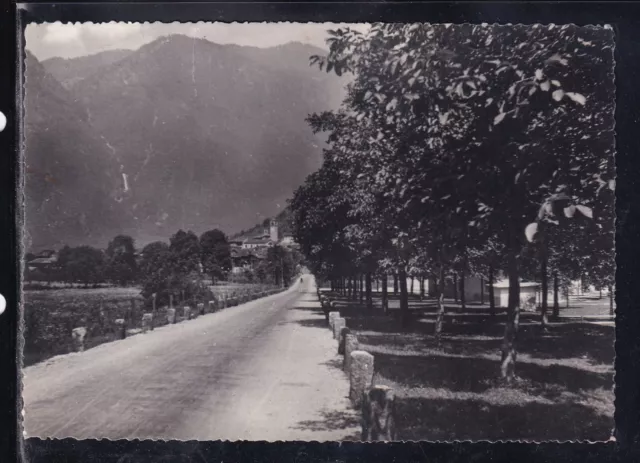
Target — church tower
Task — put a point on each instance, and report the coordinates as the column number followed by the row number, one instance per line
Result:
column 273, row 230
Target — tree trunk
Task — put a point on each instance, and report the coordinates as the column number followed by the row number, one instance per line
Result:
column 368, row 298
column 395, row 284
column 455, row 287
column 545, row 289
column 441, row 308
column 481, row 290
column 509, row 352
column 377, row 285
column 385, row 295
column 412, row 280
column 492, row 299
column 422, row 288
column 349, row 287
column 556, row 301
column 404, row 299
column 463, row 297
column 611, row 297
column 600, row 296
column 361, row 289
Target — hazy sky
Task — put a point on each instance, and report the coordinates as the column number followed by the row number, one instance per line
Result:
column 71, row 40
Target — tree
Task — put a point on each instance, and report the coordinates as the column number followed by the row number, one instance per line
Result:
column 121, row 266
column 156, row 271
column 476, row 125
column 82, row 264
column 215, row 254
column 185, row 252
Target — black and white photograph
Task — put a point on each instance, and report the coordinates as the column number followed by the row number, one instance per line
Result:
column 285, row 231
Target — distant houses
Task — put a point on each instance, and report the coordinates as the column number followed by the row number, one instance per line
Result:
column 43, row 261
column 247, row 252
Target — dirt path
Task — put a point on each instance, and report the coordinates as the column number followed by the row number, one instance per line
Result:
column 265, row 370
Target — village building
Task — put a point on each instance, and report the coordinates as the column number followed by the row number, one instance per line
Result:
column 44, row 260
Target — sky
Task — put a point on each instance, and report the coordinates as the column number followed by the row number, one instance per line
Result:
column 71, row 40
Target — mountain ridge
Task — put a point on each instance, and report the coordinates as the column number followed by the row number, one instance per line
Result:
column 205, row 135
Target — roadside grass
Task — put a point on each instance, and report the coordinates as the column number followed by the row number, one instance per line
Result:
column 50, row 315
column 452, row 391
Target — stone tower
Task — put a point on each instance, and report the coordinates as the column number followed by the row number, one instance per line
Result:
column 273, row 230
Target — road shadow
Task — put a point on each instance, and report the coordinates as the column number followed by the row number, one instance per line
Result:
column 348, row 421
column 311, row 323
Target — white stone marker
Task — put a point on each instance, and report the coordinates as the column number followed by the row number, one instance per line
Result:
column 338, row 324
column 147, row 321
column 350, row 346
column 78, row 335
column 360, row 376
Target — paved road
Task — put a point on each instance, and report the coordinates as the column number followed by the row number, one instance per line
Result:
column 265, row 370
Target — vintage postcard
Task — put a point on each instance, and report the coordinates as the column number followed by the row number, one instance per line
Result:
column 319, row 232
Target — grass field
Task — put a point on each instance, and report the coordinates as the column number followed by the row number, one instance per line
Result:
column 563, row 390
column 50, row 315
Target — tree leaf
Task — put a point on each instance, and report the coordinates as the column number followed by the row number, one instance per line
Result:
column 558, row 95
column 570, row 211
column 584, row 210
column 530, row 231
column 577, row 97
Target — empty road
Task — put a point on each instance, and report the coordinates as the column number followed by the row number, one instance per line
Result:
column 265, row 370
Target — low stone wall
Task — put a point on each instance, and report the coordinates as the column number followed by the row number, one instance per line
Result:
column 123, row 327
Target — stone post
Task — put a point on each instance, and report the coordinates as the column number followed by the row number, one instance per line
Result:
column 201, row 308
column 338, row 324
column 344, row 331
column 121, row 328
column 212, row 306
column 78, row 335
column 350, row 346
column 332, row 317
column 186, row 312
column 147, row 322
column 154, row 312
column 171, row 316
column 360, row 376
column 379, row 414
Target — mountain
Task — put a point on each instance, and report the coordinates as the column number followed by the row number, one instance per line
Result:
column 208, row 135
column 72, row 183
column 72, row 70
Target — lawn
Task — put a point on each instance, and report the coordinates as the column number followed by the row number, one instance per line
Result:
column 563, row 390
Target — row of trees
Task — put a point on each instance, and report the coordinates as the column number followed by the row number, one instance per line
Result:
column 466, row 150
column 175, row 269
column 120, row 264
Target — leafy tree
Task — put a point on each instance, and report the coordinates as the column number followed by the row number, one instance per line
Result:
column 156, row 271
column 215, row 254
column 281, row 263
column 474, row 125
column 121, row 266
column 185, row 252
column 82, row 264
